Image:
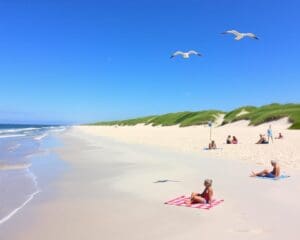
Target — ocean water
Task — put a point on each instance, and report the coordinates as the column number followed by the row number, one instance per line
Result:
column 19, row 145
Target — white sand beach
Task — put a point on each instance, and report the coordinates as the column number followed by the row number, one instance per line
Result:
column 196, row 138
column 109, row 190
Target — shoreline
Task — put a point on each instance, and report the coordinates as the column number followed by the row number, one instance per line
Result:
column 38, row 182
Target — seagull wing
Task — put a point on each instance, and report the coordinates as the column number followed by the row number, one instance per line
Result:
column 194, row 52
column 238, row 35
column 234, row 32
column 251, row 35
column 177, row 53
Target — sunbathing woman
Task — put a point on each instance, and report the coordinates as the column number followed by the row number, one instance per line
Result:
column 270, row 174
column 205, row 196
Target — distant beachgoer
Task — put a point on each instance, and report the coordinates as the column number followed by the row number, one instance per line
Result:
column 205, row 196
column 228, row 140
column 262, row 139
column 212, row 145
column 270, row 133
column 234, row 140
column 280, row 136
column 266, row 173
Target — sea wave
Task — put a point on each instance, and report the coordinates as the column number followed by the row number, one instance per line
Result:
column 17, row 146
column 14, row 130
column 40, row 137
column 12, row 135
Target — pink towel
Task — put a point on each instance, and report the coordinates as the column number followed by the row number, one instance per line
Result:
column 180, row 201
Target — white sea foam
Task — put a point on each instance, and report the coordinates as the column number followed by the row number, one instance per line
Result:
column 16, row 130
column 12, row 135
column 40, row 137
column 29, row 198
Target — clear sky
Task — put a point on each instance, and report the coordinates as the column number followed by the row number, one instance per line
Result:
column 84, row 60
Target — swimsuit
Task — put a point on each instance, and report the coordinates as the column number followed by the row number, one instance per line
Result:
column 270, row 175
column 205, row 195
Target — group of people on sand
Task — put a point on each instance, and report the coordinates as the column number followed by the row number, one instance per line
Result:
column 206, row 196
column 229, row 140
column 232, row 140
column 264, row 140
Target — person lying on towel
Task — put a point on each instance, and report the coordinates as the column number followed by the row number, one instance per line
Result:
column 270, row 174
column 205, row 196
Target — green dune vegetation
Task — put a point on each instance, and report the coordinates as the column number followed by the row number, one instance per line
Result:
column 183, row 119
column 256, row 116
column 266, row 113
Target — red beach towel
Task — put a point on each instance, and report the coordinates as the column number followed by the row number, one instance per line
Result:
column 180, row 201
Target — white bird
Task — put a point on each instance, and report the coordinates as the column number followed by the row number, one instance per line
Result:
column 239, row 36
column 185, row 54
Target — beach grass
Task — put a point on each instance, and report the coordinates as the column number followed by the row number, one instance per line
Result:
column 232, row 115
column 256, row 116
column 129, row 122
column 268, row 113
column 182, row 119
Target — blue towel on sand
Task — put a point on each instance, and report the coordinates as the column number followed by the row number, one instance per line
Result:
column 271, row 178
column 212, row 149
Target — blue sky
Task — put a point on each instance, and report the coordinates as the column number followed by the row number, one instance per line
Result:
column 81, row 61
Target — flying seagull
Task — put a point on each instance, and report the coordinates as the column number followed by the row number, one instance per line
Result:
column 239, row 36
column 185, row 54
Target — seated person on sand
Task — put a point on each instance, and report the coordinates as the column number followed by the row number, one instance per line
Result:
column 205, row 197
column 270, row 174
column 212, row 145
column 234, row 140
column 262, row 139
column 280, row 136
column 228, row 140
